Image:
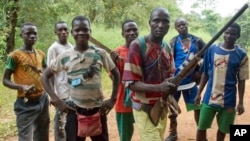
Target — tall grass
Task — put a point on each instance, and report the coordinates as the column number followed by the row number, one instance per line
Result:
column 7, row 124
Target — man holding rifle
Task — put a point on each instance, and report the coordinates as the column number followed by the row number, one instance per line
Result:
column 147, row 70
column 225, row 65
column 184, row 45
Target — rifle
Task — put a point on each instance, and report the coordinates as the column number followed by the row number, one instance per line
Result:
column 159, row 109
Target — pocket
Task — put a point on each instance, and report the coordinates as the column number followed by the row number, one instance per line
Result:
column 19, row 105
column 89, row 125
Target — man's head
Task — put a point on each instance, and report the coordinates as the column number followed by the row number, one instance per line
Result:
column 81, row 29
column 232, row 33
column 29, row 33
column 61, row 30
column 129, row 31
column 181, row 25
column 159, row 22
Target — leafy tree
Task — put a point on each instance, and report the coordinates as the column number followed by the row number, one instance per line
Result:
column 111, row 13
column 7, row 26
column 195, row 21
column 244, row 23
column 205, row 4
column 211, row 21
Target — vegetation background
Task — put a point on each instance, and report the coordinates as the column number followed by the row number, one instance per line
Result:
column 106, row 17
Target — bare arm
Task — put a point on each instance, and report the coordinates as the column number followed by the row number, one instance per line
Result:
column 51, row 54
column 165, row 86
column 107, row 105
column 8, row 83
column 203, row 82
column 55, row 100
column 116, row 81
column 241, row 91
column 47, row 74
column 140, row 86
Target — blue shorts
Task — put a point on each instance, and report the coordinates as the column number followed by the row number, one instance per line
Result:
column 188, row 96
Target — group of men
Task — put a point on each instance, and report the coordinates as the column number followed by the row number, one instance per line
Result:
column 141, row 72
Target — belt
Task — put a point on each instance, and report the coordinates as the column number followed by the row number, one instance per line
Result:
column 25, row 99
column 86, row 111
column 141, row 106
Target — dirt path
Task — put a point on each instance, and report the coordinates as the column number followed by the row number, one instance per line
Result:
column 186, row 124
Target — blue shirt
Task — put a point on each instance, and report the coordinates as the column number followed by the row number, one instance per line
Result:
column 181, row 54
column 224, row 67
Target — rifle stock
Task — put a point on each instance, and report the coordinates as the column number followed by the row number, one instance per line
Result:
column 99, row 44
column 158, row 110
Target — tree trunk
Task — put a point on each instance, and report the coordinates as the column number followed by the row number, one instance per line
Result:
column 11, row 19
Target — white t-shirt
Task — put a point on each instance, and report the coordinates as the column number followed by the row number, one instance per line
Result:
column 60, row 79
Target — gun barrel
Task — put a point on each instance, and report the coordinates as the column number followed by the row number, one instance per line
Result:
column 192, row 63
column 216, row 36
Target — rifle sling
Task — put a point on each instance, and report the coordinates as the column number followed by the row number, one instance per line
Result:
column 146, row 108
column 142, row 106
column 143, row 46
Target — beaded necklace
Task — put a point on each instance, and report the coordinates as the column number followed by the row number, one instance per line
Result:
column 34, row 65
column 186, row 44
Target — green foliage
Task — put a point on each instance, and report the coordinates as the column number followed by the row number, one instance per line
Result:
column 206, row 20
column 195, row 21
column 205, row 4
column 43, row 13
column 5, row 7
column 109, row 13
column 7, row 124
column 3, row 35
column 211, row 21
column 244, row 23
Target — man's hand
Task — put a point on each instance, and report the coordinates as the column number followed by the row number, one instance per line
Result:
column 28, row 89
column 196, row 77
column 168, row 87
column 107, row 105
column 115, row 56
column 61, row 105
column 240, row 109
column 197, row 100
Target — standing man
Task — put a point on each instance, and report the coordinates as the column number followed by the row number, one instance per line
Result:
column 32, row 104
column 60, row 80
column 225, row 65
column 183, row 46
column 124, row 115
column 147, row 74
column 86, row 110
